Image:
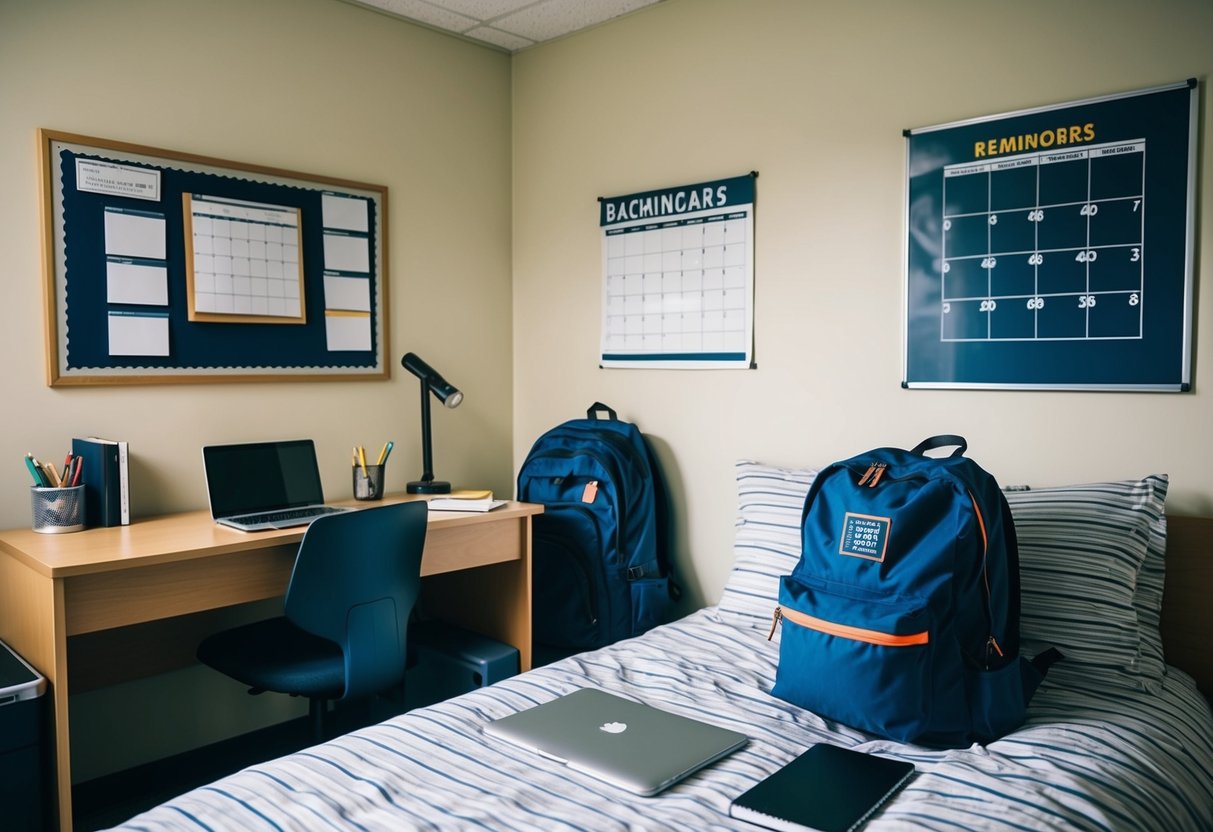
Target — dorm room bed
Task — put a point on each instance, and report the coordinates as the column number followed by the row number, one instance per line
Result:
column 1117, row 737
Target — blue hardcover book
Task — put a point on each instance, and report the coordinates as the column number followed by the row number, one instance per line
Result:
column 101, row 476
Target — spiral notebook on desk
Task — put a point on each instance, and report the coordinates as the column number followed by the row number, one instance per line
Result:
column 826, row 789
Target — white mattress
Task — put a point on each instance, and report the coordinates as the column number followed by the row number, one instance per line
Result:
column 1086, row 759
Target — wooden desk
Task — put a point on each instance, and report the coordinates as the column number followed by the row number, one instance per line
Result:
column 56, row 588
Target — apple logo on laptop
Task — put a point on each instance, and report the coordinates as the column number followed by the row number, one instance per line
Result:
column 614, row 727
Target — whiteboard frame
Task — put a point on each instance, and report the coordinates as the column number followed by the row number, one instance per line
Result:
column 1184, row 383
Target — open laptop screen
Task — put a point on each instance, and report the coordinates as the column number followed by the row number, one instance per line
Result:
column 261, row 476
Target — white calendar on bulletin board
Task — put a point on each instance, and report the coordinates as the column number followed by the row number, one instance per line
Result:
column 678, row 276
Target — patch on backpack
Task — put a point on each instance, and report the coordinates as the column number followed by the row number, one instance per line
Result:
column 864, row 536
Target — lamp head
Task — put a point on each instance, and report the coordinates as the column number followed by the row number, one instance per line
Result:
column 446, row 392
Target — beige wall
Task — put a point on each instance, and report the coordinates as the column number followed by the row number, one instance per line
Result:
column 815, row 96
column 317, row 86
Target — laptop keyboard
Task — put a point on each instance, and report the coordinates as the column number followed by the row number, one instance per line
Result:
column 288, row 514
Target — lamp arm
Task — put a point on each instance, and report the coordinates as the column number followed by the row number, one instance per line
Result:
column 427, row 448
column 448, row 394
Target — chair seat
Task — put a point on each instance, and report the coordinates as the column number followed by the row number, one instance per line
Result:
column 276, row 655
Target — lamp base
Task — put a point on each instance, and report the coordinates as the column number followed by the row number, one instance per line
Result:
column 428, row 487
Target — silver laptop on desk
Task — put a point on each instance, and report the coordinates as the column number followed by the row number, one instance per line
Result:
column 631, row 745
column 254, row 486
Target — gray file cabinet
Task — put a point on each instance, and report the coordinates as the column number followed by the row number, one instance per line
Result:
column 22, row 767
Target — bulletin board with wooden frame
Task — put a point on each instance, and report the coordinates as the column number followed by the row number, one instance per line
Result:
column 169, row 267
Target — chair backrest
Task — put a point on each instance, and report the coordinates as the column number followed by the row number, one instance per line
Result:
column 355, row 581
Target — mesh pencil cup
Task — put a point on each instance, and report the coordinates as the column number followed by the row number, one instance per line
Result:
column 58, row 510
column 368, row 485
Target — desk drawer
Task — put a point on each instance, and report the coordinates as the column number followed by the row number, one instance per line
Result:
column 120, row 597
column 453, row 548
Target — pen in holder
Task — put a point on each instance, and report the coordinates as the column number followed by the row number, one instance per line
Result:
column 58, row 510
column 368, row 482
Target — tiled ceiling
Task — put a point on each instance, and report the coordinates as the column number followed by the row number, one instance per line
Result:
column 509, row 25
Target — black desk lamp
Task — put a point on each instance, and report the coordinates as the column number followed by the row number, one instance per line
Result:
column 431, row 382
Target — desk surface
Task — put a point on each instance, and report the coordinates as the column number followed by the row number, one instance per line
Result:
column 108, row 580
column 186, row 536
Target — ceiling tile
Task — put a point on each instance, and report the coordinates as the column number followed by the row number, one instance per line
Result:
column 508, row 24
column 485, row 9
column 426, row 13
column 553, row 18
column 499, row 38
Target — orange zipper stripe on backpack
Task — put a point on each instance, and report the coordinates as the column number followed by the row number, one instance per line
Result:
column 845, row 631
column 985, row 573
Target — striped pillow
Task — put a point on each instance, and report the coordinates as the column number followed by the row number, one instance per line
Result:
column 1091, row 568
column 767, row 543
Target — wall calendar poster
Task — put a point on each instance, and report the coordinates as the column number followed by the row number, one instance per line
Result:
column 1053, row 248
column 678, row 276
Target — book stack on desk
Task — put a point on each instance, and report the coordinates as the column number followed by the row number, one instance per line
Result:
column 105, row 479
column 465, row 501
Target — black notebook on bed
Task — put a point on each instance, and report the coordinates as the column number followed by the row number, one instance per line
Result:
column 826, row 789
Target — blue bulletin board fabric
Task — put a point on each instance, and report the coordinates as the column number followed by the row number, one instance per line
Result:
column 1053, row 248
column 292, row 350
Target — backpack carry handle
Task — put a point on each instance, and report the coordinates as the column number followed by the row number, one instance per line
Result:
column 942, row 441
column 597, row 407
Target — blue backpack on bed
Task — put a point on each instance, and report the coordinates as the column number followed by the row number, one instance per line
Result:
column 902, row 616
column 600, row 569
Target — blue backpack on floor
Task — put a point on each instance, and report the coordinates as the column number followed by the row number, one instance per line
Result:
column 902, row 616
column 600, row 569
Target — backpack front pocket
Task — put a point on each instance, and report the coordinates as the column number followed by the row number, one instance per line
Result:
column 862, row 660
column 570, row 605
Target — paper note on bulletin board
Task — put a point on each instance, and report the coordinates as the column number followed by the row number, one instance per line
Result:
column 1053, row 248
column 163, row 266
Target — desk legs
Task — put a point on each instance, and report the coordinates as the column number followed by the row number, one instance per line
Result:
column 494, row 600
column 33, row 625
column 478, row 576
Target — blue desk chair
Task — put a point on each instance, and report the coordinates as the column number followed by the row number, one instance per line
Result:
column 344, row 632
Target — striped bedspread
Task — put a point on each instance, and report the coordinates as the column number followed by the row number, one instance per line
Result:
column 1086, row 759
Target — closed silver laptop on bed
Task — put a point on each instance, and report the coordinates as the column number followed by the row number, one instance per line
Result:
column 631, row 745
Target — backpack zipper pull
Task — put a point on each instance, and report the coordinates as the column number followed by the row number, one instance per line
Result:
column 992, row 644
column 775, row 622
column 880, row 469
column 873, row 474
column 590, row 492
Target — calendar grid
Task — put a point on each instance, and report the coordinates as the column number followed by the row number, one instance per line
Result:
column 245, row 261
column 677, row 289
column 1060, row 254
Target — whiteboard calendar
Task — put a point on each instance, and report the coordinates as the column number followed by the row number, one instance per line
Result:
column 678, row 276
column 1052, row 248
